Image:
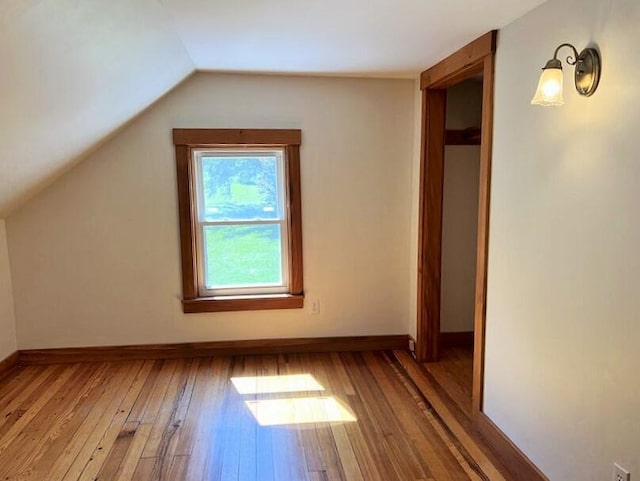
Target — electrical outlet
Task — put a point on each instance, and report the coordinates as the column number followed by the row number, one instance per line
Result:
column 620, row 474
column 412, row 347
column 315, row 306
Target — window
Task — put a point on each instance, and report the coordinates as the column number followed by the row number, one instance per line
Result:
column 242, row 224
column 240, row 219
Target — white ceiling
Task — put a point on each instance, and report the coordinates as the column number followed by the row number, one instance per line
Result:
column 357, row 37
column 73, row 71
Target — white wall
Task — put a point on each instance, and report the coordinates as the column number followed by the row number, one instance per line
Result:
column 460, row 211
column 563, row 322
column 8, row 343
column 96, row 256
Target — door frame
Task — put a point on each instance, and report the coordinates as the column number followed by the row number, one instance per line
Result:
column 478, row 57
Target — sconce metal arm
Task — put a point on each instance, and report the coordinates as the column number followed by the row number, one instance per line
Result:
column 570, row 60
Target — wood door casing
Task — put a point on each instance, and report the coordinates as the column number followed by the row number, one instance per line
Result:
column 476, row 58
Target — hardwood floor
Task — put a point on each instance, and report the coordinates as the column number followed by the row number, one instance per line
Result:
column 454, row 375
column 307, row 417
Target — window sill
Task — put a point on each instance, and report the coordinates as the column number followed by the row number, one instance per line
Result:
column 243, row 303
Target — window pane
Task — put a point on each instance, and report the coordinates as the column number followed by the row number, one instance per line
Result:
column 240, row 188
column 242, row 255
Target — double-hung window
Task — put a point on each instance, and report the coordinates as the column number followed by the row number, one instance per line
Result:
column 242, row 223
column 239, row 195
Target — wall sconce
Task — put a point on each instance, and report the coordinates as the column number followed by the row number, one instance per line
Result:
column 587, row 75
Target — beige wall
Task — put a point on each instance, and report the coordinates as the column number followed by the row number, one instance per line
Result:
column 459, row 235
column 8, row 343
column 415, row 200
column 563, row 322
column 464, row 105
column 460, row 211
column 96, row 256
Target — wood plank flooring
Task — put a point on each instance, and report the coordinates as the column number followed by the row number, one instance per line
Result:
column 454, row 374
column 303, row 417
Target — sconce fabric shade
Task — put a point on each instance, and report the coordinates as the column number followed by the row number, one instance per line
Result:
column 549, row 92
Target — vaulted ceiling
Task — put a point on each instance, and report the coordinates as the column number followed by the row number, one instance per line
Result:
column 73, row 71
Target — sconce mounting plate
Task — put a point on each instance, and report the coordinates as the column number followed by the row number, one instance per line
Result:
column 587, row 72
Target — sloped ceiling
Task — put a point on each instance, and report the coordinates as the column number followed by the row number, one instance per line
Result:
column 73, row 71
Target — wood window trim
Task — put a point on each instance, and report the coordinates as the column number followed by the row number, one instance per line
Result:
column 185, row 140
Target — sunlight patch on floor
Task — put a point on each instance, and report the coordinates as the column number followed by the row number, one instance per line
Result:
column 276, row 412
column 276, row 384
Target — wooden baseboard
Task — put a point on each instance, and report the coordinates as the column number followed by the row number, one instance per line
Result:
column 470, row 433
column 8, row 364
column 517, row 462
column 464, row 339
column 206, row 349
